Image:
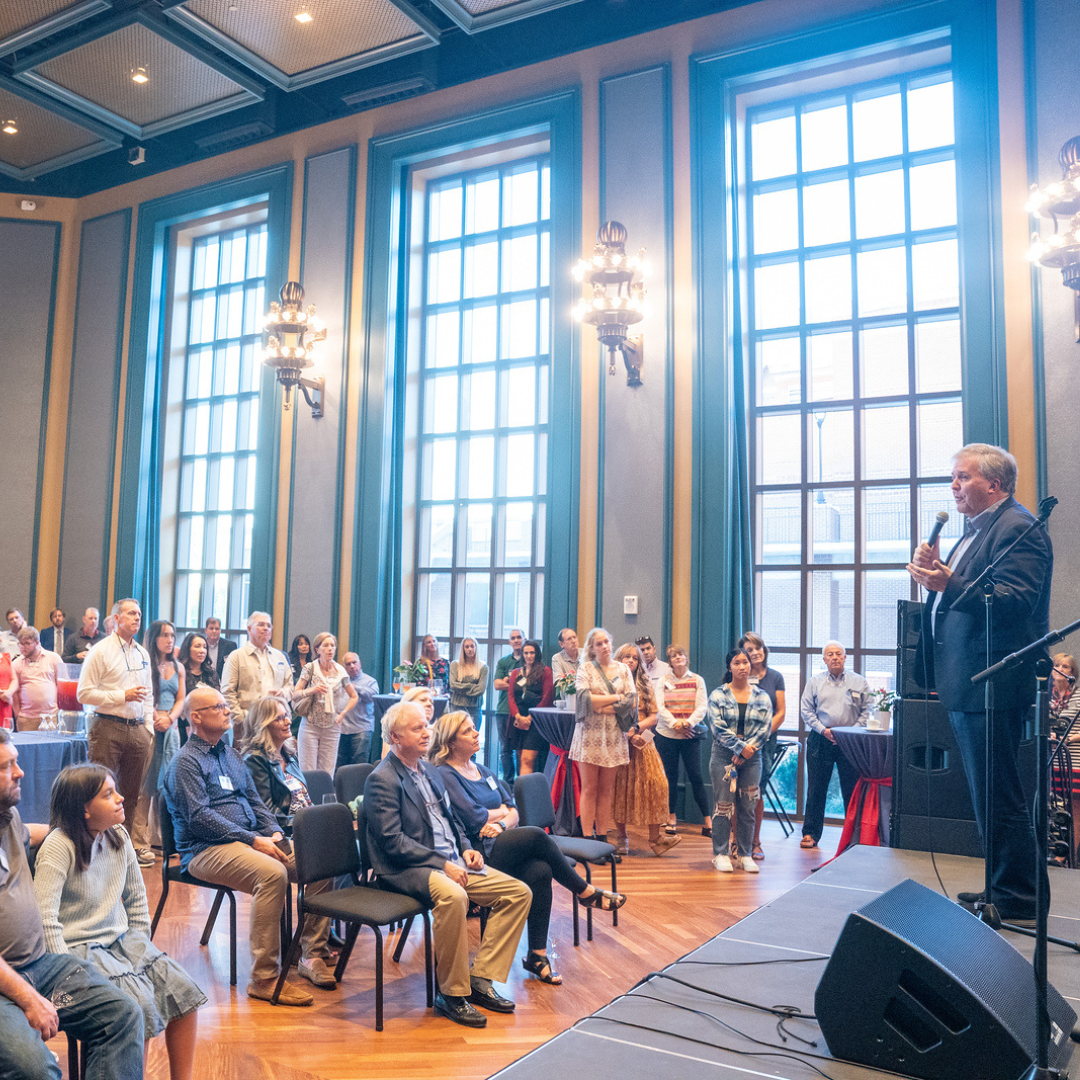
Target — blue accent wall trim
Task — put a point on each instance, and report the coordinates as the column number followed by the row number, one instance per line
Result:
column 377, row 536
column 137, row 549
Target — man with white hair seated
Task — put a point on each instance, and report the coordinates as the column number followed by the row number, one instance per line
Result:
column 419, row 847
column 255, row 670
column 835, row 698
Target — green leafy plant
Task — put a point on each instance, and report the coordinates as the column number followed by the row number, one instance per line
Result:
column 414, row 670
column 566, row 686
column 883, row 700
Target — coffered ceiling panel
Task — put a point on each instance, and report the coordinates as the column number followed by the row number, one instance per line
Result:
column 42, row 140
column 25, row 21
column 336, row 36
column 177, row 87
column 473, row 15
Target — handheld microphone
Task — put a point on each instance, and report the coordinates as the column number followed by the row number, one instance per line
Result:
column 939, row 524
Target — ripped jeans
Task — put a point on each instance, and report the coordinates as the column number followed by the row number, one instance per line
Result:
column 738, row 811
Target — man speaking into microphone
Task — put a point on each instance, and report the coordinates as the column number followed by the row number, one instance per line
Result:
column 983, row 487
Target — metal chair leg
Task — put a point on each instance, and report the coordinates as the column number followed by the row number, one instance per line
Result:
column 402, row 938
column 429, row 967
column 292, row 955
column 208, row 929
column 232, row 939
column 378, row 978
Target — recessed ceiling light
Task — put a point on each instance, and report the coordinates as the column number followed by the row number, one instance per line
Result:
column 10, row 128
column 139, row 75
column 304, row 16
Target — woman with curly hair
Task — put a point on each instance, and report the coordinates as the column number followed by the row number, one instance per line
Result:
column 641, row 789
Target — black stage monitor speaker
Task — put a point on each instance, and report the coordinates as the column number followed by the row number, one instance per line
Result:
column 920, row 986
column 910, row 678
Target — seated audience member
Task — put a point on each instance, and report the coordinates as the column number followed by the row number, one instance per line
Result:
column 419, row 847
column 34, row 673
column 421, row 695
column 741, row 716
column 93, row 906
column 103, row 1018
column 227, row 836
column 681, row 732
column 271, row 758
column 79, row 644
column 52, row 637
column 486, row 808
column 358, row 724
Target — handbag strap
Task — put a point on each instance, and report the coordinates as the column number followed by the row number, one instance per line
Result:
column 607, row 682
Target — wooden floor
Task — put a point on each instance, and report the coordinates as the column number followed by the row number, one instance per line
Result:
column 675, row 903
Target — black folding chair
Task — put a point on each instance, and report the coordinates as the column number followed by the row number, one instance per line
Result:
column 532, row 793
column 349, row 781
column 171, row 872
column 325, row 846
column 318, row 783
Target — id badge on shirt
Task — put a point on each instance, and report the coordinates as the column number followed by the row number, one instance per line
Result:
column 492, row 784
column 226, row 783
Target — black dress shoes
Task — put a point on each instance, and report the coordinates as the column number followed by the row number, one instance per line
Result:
column 459, row 1010
column 971, row 897
column 489, row 999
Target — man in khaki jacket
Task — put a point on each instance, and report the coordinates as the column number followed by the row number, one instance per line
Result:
column 254, row 670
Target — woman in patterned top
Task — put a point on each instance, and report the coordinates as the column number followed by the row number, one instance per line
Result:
column 438, row 666
column 271, row 758
column 327, row 683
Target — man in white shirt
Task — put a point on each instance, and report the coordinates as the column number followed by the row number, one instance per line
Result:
column 115, row 681
column 9, row 643
column 566, row 661
column 654, row 668
column 34, row 672
column 256, row 669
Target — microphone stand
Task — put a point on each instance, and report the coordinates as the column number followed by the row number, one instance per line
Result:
column 985, row 909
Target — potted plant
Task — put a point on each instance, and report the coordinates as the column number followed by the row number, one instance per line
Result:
column 412, row 672
column 565, row 688
column 881, row 702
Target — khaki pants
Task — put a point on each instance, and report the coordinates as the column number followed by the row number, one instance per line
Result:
column 509, row 900
column 125, row 749
column 265, row 879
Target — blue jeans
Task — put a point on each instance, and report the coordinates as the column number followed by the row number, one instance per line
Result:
column 354, row 748
column 740, row 810
column 821, row 756
column 105, row 1020
column 1012, row 870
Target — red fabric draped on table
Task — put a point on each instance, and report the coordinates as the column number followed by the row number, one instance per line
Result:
column 558, row 781
column 865, row 808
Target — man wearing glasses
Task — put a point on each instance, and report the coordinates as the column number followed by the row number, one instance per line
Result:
column 226, row 835
column 254, row 671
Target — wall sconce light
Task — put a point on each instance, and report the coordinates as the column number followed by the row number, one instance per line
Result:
column 291, row 334
column 614, row 297
column 1060, row 202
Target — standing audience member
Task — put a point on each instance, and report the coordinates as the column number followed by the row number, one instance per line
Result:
column 531, row 687
column 198, row 669
column 52, row 637
column 9, row 641
column 772, row 682
column 834, row 698
column 227, row 836
column 329, row 693
column 169, row 691
column 34, row 673
column 42, row 993
column 507, row 754
column 599, row 746
column 359, row 720
column 565, row 662
column 217, row 647
column 468, row 680
column 680, row 734
column 300, row 654
column 741, row 716
column 78, row 645
column 271, row 758
column 419, row 847
column 93, row 906
column 254, row 670
column 641, row 791
column 116, row 682
column 486, row 808
column 438, row 666
column 655, row 668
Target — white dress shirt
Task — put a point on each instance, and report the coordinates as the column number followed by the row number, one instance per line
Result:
column 110, row 668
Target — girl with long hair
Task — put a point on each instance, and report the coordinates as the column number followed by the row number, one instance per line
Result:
column 300, row 653
column 468, row 680
column 194, row 660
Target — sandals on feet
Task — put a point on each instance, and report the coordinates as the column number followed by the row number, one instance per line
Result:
column 603, row 900
column 537, row 964
column 757, row 854
column 671, row 829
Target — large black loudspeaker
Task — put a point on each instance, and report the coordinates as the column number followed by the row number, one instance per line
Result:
column 920, row 986
column 910, row 678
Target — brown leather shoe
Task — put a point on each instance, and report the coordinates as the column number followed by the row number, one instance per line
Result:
column 290, row 993
column 318, row 973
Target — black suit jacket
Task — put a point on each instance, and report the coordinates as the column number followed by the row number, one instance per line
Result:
column 225, row 646
column 48, row 637
column 1021, row 614
column 400, row 838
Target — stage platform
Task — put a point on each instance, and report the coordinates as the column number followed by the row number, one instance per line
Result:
column 652, row 1031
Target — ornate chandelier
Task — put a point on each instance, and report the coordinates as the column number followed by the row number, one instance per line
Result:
column 291, row 335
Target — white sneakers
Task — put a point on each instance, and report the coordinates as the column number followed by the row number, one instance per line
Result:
column 724, row 865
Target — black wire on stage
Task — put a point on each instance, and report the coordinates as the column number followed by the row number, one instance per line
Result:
column 756, row 963
column 783, row 1012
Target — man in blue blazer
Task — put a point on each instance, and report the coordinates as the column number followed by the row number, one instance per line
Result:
column 419, row 847
column 983, row 487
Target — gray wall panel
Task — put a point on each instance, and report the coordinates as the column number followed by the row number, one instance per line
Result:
column 1057, row 30
column 82, row 577
column 27, row 284
column 315, row 524
column 636, row 191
